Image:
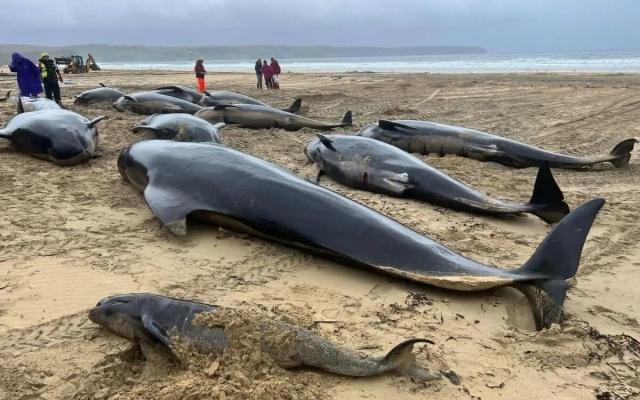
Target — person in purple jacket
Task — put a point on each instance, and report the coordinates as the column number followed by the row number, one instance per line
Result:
column 29, row 80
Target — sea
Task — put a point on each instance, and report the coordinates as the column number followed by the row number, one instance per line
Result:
column 608, row 62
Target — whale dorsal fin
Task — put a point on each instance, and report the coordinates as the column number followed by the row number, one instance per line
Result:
column 94, row 121
column 393, row 126
column 327, row 142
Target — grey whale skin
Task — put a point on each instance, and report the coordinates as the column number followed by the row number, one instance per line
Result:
column 263, row 117
column 156, row 320
column 181, row 127
column 427, row 137
column 369, row 164
column 60, row 136
column 101, row 94
column 243, row 193
column 29, row 104
column 223, row 97
column 148, row 103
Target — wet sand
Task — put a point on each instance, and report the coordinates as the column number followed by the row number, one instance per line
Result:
column 69, row 236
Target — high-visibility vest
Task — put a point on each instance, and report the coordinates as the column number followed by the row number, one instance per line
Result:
column 43, row 71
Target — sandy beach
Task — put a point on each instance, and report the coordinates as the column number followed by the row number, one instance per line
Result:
column 70, row 236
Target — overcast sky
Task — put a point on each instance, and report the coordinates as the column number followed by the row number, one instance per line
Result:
column 497, row 25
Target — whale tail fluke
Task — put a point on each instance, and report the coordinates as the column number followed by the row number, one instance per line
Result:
column 556, row 260
column 295, row 107
column 548, row 197
column 622, row 152
column 401, row 359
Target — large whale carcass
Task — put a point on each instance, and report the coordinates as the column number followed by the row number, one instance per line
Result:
column 244, row 193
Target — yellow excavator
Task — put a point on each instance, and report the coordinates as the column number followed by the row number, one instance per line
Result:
column 75, row 64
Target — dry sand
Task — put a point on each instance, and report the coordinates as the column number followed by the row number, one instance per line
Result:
column 69, row 236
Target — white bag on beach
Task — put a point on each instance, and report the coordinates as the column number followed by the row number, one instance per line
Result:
column 275, row 79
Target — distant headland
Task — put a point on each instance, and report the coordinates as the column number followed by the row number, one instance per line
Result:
column 122, row 53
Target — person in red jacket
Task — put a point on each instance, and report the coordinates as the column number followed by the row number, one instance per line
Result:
column 200, row 73
column 267, row 73
column 275, row 70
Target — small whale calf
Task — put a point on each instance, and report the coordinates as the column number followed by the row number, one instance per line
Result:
column 264, row 117
column 155, row 321
column 375, row 166
column 181, row 127
column 98, row 95
column 427, row 137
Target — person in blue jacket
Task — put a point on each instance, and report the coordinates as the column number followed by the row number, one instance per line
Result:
column 29, row 80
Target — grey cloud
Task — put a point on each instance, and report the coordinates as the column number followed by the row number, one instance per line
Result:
column 498, row 25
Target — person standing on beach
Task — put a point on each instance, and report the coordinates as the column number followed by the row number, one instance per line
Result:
column 258, row 69
column 275, row 70
column 200, row 73
column 50, row 75
column 28, row 75
column 266, row 71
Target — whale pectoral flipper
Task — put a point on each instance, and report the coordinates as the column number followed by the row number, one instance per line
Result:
column 389, row 181
column 170, row 207
column 160, row 334
column 224, row 106
column 326, row 141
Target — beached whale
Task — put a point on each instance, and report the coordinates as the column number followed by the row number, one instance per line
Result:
column 262, row 117
column 148, row 103
column 98, row 95
column 369, row 164
column 60, row 136
column 181, row 127
column 223, row 97
column 157, row 322
column 427, row 137
column 243, row 193
column 181, row 92
column 29, row 104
